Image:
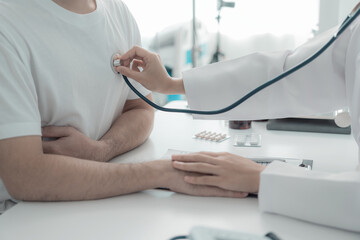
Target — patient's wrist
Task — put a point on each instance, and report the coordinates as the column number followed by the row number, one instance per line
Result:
column 162, row 173
column 102, row 151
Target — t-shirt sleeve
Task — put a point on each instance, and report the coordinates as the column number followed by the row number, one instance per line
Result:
column 18, row 99
column 134, row 39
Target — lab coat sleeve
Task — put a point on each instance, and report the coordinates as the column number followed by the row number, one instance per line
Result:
column 317, row 88
column 330, row 82
column 331, row 199
column 328, row 199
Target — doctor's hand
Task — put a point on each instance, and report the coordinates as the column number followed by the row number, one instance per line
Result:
column 223, row 170
column 173, row 180
column 71, row 142
column 148, row 70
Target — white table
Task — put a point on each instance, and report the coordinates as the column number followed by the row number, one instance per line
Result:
column 160, row 215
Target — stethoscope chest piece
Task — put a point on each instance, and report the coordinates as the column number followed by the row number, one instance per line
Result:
column 115, row 61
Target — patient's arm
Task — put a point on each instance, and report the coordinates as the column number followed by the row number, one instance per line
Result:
column 29, row 174
column 130, row 130
column 127, row 132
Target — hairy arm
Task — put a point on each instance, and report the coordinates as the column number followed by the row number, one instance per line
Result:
column 128, row 131
column 31, row 175
column 131, row 129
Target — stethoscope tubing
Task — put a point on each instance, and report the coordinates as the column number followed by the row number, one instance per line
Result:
column 341, row 29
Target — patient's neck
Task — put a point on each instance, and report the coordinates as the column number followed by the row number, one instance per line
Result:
column 78, row 6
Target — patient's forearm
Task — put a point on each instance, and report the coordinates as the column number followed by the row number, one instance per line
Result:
column 60, row 178
column 131, row 129
column 31, row 175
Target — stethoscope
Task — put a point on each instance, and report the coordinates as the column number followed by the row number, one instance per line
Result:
column 349, row 19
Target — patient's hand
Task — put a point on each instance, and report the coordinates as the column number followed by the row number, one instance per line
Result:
column 71, row 142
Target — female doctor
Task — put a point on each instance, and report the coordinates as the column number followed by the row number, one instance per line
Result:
column 329, row 83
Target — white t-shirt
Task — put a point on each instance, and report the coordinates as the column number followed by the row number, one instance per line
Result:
column 55, row 67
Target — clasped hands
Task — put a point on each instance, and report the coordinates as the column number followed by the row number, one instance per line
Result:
column 201, row 173
column 71, row 142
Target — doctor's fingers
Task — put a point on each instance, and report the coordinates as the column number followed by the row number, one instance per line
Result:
column 136, row 75
column 210, row 191
column 135, row 52
column 214, row 154
column 195, row 157
column 136, row 64
column 207, row 180
column 196, row 167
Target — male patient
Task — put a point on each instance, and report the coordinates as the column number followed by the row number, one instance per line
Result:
column 56, row 82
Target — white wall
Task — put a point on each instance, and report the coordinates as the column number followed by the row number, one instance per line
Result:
column 346, row 7
column 247, row 19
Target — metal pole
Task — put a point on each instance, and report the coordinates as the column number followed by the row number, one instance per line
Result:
column 194, row 47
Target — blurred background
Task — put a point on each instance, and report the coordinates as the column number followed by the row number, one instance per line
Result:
column 192, row 33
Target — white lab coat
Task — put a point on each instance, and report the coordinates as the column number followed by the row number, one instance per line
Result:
column 329, row 83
